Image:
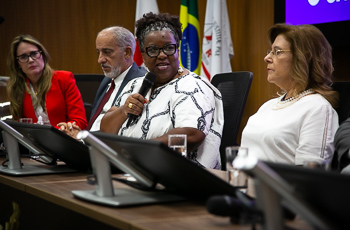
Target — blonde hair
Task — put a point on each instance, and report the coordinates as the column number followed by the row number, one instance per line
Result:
column 17, row 86
column 312, row 59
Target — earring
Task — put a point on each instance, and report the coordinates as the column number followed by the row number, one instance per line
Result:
column 180, row 70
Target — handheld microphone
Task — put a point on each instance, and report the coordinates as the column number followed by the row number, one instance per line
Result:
column 147, row 83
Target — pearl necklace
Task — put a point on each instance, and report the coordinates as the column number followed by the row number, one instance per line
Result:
column 282, row 104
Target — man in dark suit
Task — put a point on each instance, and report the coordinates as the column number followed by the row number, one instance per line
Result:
column 115, row 47
column 341, row 158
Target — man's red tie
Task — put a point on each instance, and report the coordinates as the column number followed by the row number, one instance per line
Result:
column 102, row 104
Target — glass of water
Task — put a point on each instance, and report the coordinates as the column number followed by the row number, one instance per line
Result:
column 26, row 120
column 236, row 177
column 178, row 142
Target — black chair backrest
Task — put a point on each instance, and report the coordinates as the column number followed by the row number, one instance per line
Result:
column 343, row 110
column 88, row 85
column 4, row 100
column 234, row 88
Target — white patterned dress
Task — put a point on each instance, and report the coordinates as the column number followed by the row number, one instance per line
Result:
column 188, row 101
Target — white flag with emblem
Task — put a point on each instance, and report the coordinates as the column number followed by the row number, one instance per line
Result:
column 217, row 43
column 143, row 7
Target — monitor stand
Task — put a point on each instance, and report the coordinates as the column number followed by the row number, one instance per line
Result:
column 15, row 167
column 127, row 197
column 272, row 190
column 105, row 194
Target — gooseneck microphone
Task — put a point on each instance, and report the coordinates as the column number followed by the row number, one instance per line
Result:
column 223, row 206
column 147, row 83
column 241, row 210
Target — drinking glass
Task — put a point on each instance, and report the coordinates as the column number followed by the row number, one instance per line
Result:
column 26, row 120
column 235, row 177
column 178, row 142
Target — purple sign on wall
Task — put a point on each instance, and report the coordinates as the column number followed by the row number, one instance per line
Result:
column 316, row 11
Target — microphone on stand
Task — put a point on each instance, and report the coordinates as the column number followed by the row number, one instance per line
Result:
column 147, row 83
column 241, row 210
column 228, row 206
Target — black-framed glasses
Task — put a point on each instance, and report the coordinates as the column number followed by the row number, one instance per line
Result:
column 154, row 51
column 276, row 52
column 25, row 57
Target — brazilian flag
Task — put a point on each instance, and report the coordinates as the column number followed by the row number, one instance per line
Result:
column 190, row 51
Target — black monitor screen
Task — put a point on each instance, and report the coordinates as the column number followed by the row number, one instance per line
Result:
column 67, row 149
column 327, row 192
column 169, row 168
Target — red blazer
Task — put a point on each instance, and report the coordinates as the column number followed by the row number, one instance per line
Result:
column 63, row 101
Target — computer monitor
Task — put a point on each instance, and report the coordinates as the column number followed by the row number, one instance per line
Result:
column 325, row 191
column 56, row 143
column 318, row 196
column 168, row 168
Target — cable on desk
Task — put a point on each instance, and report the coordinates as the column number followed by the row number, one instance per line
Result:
column 45, row 161
column 33, row 157
column 4, row 163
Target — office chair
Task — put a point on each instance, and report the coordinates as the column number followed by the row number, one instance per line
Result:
column 343, row 110
column 4, row 100
column 88, row 85
column 234, row 88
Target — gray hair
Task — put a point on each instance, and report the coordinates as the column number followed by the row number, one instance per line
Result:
column 122, row 36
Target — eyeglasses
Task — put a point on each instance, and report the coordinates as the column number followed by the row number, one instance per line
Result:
column 154, row 51
column 25, row 57
column 276, row 52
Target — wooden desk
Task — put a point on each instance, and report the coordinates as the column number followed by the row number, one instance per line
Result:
column 49, row 198
column 46, row 202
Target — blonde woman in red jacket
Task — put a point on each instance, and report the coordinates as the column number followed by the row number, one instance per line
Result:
column 34, row 89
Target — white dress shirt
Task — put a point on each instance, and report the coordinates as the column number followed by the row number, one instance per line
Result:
column 117, row 81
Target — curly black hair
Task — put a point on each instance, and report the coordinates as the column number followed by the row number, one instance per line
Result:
column 158, row 22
